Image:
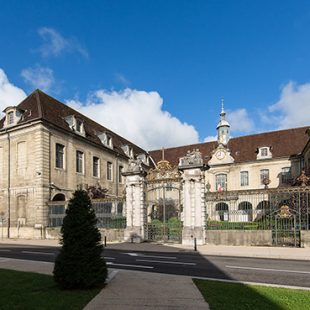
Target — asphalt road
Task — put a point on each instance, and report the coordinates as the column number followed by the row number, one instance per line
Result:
column 273, row 271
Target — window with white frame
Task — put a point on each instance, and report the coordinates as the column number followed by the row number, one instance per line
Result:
column 109, row 171
column 59, row 156
column 11, row 118
column 264, row 175
column 221, row 182
column 78, row 125
column 286, row 175
column 264, row 151
column 79, row 162
column 96, row 167
column 244, row 178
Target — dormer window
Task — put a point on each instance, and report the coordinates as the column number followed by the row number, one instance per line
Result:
column 264, row 152
column 75, row 124
column 78, row 125
column 13, row 115
column 128, row 150
column 105, row 139
column 144, row 158
column 11, row 118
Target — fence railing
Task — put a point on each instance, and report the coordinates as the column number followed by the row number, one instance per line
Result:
column 109, row 213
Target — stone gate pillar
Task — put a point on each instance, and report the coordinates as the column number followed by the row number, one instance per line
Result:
column 136, row 211
column 193, row 194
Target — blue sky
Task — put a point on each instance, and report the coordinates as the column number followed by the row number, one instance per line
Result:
column 255, row 54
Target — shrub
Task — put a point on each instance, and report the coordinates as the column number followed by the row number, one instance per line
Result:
column 80, row 263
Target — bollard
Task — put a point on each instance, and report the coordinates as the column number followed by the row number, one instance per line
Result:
column 195, row 244
column 105, row 241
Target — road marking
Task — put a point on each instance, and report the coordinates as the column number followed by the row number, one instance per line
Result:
column 107, row 257
column 153, row 256
column 163, row 262
column 253, row 283
column 268, row 269
column 125, row 265
column 2, row 259
column 43, row 253
column 5, row 250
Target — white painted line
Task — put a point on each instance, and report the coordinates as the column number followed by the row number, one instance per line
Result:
column 253, row 283
column 267, row 269
column 5, row 250
column 107, row 257
column 125, row 265
column 163, row 262
column 164, row 257
column 2, row 260
column 154, row 256
column 43, row 253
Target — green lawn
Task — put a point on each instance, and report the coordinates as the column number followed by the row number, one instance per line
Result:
column 25, row 290
column 222, row 295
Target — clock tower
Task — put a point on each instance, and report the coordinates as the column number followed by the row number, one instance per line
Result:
column 223, row 128
column 221, row 155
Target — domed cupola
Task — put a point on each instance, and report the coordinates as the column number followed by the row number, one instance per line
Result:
column 223, row 128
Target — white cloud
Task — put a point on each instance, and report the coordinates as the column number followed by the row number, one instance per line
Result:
column 293, row 107
column 240, row 121
column 9, row 93
column 39, row 77
column 137, row 116
column 55, row 44
column 210, row 138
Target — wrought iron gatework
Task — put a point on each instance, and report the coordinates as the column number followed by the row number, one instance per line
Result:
column 283, row 211
column 163, row 190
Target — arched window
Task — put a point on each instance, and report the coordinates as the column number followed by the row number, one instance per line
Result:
column 59, row 197
column 246, row 214
column 221, row 209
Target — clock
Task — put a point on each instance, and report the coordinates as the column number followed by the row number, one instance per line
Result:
column 220, row 154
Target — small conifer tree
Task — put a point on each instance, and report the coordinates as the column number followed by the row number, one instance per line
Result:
column 80, row 263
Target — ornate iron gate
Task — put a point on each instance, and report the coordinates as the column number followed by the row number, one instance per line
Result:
column 163, row 190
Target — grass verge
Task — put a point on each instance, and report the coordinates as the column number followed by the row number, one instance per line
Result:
column 26, row 290
column 223, row 295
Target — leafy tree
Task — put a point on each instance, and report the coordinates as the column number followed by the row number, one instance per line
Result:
column 80, row 263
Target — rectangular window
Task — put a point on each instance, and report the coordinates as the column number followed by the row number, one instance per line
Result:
column 79, row 161
column 264, row 175
column 221, row 182
column 95, row 166
column 11, row 118
column 286, row 175
column 120, row 177
column 264, row 151
column 244, row 178
column 59, row 155
column 78, row 125
column 56, row 214
column 109, row 171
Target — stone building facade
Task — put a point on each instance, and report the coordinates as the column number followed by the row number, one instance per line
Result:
column 47, row 151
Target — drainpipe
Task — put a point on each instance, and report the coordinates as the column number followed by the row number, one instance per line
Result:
column 117, row 176
column 9, row 186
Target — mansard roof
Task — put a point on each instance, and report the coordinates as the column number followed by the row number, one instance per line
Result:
column 283, row 143
column 40, row 106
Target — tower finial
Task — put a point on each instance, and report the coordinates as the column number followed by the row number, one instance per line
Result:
column 222, row 103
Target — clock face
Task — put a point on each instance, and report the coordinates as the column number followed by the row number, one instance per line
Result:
column 220, row 154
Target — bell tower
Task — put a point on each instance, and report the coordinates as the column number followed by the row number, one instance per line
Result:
column 223, row 128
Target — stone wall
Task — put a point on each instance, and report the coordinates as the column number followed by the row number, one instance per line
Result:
column 305, row 238
column 239, row 237
column 111, row 234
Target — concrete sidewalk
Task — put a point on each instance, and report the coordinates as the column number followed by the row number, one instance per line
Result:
column 131, row 289
column 219, row 250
